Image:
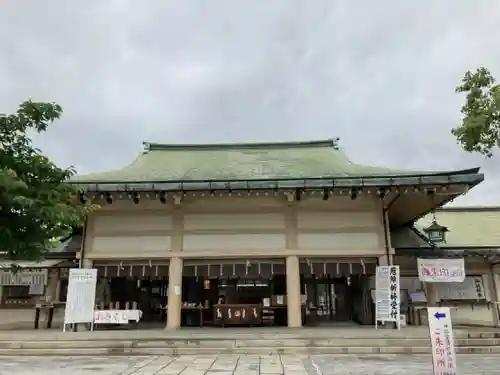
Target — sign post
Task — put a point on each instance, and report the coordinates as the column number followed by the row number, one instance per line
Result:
column 444, row 359
column 80, row 300
column 387, row 295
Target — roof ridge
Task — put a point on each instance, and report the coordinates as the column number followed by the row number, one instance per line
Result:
column 151, row 146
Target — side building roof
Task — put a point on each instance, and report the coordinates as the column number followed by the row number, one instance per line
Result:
column 473, row 231
column 468, row 226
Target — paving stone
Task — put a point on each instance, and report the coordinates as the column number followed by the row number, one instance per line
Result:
column 399, row 365
column 190, row 371
column 271, row 364
column 244, row 365
column 225, row 363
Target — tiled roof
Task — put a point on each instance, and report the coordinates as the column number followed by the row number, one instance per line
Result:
column 407, row 241
column 468, row 226
column 252, row 161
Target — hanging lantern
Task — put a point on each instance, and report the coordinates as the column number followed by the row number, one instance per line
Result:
column 436, row 232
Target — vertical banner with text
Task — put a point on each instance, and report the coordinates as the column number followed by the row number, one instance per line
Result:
column 387, row 295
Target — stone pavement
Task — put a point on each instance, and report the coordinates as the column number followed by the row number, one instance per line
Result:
column 242, row 365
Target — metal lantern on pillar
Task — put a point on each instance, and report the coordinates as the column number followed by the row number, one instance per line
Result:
column 436, row 232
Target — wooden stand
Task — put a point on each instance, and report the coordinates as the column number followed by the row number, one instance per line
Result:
column 38, row 308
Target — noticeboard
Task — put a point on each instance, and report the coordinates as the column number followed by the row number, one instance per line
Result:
column 80, row 300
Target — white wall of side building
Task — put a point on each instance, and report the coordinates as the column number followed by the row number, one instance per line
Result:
column 466, row 311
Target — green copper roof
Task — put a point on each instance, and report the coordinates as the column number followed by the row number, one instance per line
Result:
column 468, row 226
column 249, row 161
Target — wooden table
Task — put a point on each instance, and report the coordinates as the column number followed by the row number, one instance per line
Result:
column 195, row 310
column 312, row 317
column 237, row 314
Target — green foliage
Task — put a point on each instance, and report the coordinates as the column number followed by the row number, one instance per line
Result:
column 37, row 204
column 479, row 130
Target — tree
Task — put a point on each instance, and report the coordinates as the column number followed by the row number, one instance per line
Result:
column 479, row 130
column 37, row 204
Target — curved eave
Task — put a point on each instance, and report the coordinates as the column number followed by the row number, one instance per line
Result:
column 470, row 177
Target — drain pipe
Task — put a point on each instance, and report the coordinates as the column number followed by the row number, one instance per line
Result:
column 385, row 209
column 82, row 247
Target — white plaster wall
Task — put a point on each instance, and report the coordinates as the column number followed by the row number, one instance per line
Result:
column 232, row 204
column 131, row 223
column 227, row 224
column 310, row 220
column 340, row 230
column 154, row 246
column 234, row 222
column 142, row 233
column 214, row 242
column 341, row 241
column 342, row 203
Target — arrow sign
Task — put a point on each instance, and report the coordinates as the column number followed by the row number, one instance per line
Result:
column 441, row 335
column 439, row 315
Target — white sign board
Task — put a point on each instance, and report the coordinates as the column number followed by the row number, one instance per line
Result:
column 441, row 270
column 80, row 300
column 444, row 359
column 116, row 316
column 387, row 296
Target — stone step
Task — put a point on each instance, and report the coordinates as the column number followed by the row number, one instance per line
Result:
column 238, row 344
column 213, row 342
column 263, row 350
column 478, row 335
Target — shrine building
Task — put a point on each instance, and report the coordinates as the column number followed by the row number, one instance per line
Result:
column 296, row 225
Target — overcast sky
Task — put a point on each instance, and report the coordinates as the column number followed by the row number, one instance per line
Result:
column 378, row 74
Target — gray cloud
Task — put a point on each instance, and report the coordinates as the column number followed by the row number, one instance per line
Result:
column 379, row 75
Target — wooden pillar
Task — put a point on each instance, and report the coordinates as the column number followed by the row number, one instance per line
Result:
column 174, row 293
column 51, row 291
column 87, row 264
column 294, row 311
column 53, row 281
column 432, row 295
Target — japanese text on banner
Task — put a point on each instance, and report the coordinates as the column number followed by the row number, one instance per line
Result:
column 394, row 292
